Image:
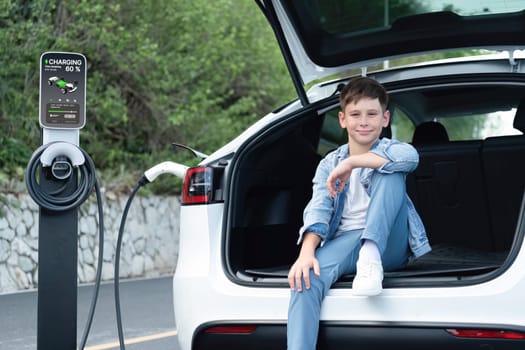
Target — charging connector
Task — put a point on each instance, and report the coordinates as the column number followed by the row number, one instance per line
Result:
column 61, row 168
column 173, row 168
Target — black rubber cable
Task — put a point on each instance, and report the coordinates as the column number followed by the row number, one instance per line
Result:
column 54, row 201
column 143, row 181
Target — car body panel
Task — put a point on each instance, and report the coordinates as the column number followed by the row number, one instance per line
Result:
column 214, row 299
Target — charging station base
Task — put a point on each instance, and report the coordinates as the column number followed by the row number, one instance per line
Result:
column 57, row 275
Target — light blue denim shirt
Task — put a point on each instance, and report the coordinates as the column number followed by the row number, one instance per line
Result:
column 322, row 214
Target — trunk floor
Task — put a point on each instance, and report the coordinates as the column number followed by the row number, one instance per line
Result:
column 442, row 260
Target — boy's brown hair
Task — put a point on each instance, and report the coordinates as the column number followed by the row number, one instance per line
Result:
column 361, row 87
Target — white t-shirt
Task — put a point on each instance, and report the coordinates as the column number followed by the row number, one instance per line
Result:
column 356, row 206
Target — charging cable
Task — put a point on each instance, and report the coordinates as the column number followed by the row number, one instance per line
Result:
column 150, row 175
column 62, row 159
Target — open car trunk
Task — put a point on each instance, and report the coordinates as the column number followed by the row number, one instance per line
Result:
column 468, row 193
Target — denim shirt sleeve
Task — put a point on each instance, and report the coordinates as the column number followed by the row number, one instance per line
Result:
column 318, row 212
column 401, row 156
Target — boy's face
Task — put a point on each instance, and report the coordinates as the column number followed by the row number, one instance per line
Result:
column 364, row 120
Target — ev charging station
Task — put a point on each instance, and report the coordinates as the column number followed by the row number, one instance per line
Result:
column 54, row 181
column 60, row 176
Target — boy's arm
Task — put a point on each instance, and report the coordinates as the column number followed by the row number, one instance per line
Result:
column 401, row 156
column 390, row 156
column 319, row 210
column 343, row 170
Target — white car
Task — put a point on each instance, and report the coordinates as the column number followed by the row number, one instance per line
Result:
column 242, row 206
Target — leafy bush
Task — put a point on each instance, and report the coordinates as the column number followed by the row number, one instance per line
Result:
column 194, row 72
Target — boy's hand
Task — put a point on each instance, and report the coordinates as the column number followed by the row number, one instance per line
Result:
column 341, row 172
column 301, row 270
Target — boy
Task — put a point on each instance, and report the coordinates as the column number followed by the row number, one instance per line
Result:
column 360, row 219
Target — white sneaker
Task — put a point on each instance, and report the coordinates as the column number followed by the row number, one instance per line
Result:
column 368, row 280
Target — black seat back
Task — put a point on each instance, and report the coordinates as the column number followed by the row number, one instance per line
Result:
column 448, row 191
column 504, row 168
column 429, row 133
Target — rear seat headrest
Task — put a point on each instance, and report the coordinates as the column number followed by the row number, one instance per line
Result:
column 430, row 133
column 519, row 118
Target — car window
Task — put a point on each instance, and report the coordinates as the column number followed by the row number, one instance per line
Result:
column 479, row 127
column 459, row 127
column 402, row 127
column 332, row 135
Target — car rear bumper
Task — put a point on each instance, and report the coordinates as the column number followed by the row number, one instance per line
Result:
column 333, row 335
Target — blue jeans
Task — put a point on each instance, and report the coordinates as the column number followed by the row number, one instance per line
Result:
column 386, row 225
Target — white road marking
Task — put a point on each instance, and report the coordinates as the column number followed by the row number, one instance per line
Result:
column 132, row 341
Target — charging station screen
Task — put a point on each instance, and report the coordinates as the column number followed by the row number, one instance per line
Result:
column 62, row 90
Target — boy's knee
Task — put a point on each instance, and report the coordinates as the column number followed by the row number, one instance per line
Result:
column 310, row 296
column 319, row 285
column 390, row 177
column 389, row 181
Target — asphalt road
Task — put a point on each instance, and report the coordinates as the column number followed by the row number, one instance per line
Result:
column 147, row 317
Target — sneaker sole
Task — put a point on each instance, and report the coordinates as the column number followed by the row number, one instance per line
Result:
column 366, row 292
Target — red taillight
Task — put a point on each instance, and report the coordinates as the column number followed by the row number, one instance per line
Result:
column 231, row 329
column 197, row 187
column 486, row 333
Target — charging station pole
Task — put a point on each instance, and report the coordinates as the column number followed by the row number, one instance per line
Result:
column 62, row 115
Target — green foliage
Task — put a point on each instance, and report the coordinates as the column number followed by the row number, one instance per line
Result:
column 193, row 72
column 464, row 128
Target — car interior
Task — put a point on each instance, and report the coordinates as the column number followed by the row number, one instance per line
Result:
column 468, row 187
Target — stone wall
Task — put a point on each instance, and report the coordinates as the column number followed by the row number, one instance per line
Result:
column 149, row 245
